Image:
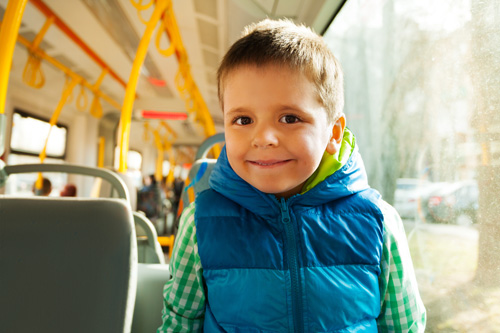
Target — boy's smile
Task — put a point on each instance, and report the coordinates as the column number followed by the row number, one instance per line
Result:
column 276, row 128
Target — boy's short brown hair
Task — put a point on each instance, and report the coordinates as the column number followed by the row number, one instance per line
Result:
column 283, row 43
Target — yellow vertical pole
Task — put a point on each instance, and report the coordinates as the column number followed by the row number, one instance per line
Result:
column 8, row 36
column 64, row 97
column 159, row 158
column 100, row 156
column 170, row 176
column 128, row 101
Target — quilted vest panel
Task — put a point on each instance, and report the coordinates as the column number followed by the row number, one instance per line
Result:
column 246, row 267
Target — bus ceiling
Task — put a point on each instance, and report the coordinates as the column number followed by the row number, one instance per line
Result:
column 97, row 42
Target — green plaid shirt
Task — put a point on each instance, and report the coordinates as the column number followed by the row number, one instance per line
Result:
column 402, row 309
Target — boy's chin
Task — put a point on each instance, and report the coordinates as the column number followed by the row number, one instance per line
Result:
column 280, row 192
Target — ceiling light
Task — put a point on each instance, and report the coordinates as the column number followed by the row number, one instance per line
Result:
column 153, row 114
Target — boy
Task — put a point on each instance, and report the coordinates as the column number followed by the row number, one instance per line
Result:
column 289, row 237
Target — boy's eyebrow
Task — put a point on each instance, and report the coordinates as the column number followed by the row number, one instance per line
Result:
column 236, row 110
column 280, row 107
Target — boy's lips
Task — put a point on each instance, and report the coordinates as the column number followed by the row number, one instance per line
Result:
column 268, row 163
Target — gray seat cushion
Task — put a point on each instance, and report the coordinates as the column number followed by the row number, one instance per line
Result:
column 66, row 265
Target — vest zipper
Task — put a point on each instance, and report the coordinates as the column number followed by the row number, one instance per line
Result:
column 293, row 266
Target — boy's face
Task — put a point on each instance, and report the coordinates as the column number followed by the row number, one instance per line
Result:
column 275, row 127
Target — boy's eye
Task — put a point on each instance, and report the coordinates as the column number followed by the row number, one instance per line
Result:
column 242, row 121
column 289, row 119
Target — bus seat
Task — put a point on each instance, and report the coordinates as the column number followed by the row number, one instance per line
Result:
column 148, row 248
column 199, row 173
column 104, row 189
column 151, row 279
column 67, row 264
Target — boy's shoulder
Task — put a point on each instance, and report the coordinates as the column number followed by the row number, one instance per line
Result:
column 392, row 221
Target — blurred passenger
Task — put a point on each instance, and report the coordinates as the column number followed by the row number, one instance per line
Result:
column 45, row 190
column 149, row 198
column 177, row 187
column 69, row 190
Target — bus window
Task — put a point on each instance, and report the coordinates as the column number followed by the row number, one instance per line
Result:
column 421, row 86
column 29, row 134
column 134, row 165
column 22, row 183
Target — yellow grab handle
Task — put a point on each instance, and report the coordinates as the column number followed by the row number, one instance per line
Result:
column 165, row 23
column 139, row 6
column 82, row 100
column 32, row 74
column 66, row 93
column 96, row 107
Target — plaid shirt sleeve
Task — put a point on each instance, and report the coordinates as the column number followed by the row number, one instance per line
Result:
column 183, row 295
column 402, row 309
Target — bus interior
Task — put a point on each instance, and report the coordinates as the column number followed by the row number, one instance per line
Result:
column 117, row 100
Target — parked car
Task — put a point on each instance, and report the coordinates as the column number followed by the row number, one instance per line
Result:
column 411, row 193
column 455, row 203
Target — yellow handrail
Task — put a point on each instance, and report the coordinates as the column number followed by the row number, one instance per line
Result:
column 8, row 35
column 185, row 83
column 68, row 72
column 165, row 23
column 45, row 10
column 167, row 241
column 33, row 74
column 169, row 129
column 128, row 101
column 39, row 37
column 66, row 93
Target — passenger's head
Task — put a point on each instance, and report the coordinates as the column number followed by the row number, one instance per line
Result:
column 284, row 44
column 69, row 190
column 45, row 190
column 281, row 93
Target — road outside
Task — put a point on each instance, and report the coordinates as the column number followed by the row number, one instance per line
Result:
column 445, row 260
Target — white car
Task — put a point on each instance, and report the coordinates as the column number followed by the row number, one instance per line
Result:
column 410, row 195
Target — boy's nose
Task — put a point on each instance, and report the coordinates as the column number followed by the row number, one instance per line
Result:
column 265, row 138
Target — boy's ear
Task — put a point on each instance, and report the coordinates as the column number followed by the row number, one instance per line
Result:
column 337, row 135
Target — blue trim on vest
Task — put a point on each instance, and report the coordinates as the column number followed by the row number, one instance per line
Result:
column 243, row 247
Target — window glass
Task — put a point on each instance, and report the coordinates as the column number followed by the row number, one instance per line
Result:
column 134, row 165
column 29, row 135
column 421, row 89
column 22, row 184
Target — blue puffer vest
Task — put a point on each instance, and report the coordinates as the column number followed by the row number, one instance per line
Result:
column 307, row 264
